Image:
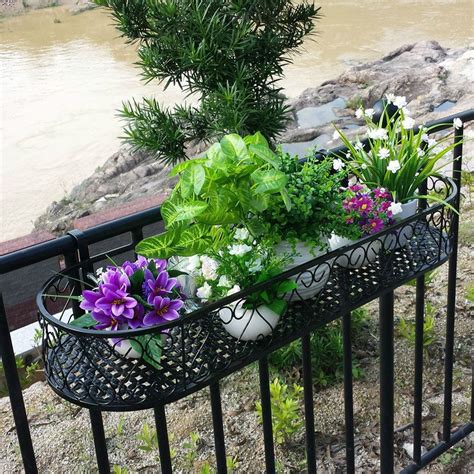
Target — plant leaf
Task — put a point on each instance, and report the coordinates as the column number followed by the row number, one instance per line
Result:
column 84, row 321
column 159, row 246
column 175, row 212
column 269, row 181
column 234, row 146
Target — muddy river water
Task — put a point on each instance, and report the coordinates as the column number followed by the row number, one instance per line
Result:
column 63, row 77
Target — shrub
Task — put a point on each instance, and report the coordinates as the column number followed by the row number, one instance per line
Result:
column 229, row 55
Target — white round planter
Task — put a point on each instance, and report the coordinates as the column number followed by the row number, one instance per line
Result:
column 248, row 324
column 125, row 349
column 400, row 237
column 311, row 281
column 357, row 257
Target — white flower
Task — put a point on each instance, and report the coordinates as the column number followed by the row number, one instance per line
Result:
column 363, row 166
column 399, row 101
column 393, row 166
column 233, row 290
column 224, row 282
column 369, row 113
column 358, row 146
column 420, row 152
column 256, row 266
column 457, row 122
column 335, row 135
column 99, row 272
column 390, row 97
column 425, row 138
column 241, row 234
column 377, row 133
column 193, row 263
column 209, row 268
column 239, row 249
column 395, row 208
column 204, row 292
column 338, row 164
column 348, row 155
column 408, row 123
column 384, row 153
column 359, row 113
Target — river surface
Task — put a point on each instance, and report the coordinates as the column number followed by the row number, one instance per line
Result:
column 64, row 76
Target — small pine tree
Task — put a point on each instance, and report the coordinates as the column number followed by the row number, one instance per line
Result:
column 229, row 54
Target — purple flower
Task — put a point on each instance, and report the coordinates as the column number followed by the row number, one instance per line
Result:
column 376, row 225
column 107, row 321
column 164, row 309
column 364, row 204
column 115, row 279
column 137, row 320
column 160, row 286
column 356, row 188
column 116, row 303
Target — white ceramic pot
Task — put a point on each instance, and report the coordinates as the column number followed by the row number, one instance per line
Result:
column 311, row 281
column 400, row 237
column 248, row 324
column 125, row 349
column 357, row 257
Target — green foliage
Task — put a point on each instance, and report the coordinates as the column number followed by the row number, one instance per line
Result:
column 119, row 469
column 314, row 193
column 470, row 293
column 232, row 464
column 417, row 156
column 285, row 403
column 230, row 55
column 326, row 352
column 429, row 278
column 451, row 456
column 232, row 182
column 121, row 425
column 191, row 447
column 37, row 336
column 148, row 438
column 407, row 329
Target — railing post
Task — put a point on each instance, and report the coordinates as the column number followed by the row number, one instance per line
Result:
column 99, row 441
column 217, row 421
column 386, row 382
column 308, row 405
column 163, row 440
column 266, row 415
column 14, row 392
column 451, row 304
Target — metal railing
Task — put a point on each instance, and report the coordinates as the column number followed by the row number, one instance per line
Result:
column 80, row 248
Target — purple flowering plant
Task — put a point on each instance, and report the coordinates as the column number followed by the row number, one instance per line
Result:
column 365, row 211
column 137, row 294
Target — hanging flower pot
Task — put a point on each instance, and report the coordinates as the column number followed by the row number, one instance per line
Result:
column 248, row 324
column 358, row 257
column 400, row 237
column 311, row 281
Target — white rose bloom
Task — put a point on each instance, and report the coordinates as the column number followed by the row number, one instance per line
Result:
column 390, row 98
column 369, row 113
column 400, row 101
column 209, row 268
column 457, row 122
column 408, row 123
column 224, row 282
column 204, row 292
column 239, row 249
column 338, row 164
column 377, row 134
column 359, row 113
column 393, row 166
column 384, row 153
column 241, row 234
column 233, row 290
column 395, row 208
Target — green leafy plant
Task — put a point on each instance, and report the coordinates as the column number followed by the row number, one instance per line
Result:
column 121, row 425
column 397, row 157
column 407, row 329
column 120, row 469
column 148, row 438
column 313, row 190
column 233, row 181
column 326, row 352
column 470, row 293
column 191, row 447
column 285, row 404
column 429, row 278
column 230, row 56
column 232, row 464
column 451, row 456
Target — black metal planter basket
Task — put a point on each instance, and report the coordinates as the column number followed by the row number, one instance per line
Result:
column 89, row 368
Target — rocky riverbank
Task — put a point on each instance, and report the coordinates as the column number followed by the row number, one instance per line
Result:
column 17, row 7
column 437, row 82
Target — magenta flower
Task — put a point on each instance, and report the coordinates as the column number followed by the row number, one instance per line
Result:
column 160, row 286
column 137, row 320
column 108, row 321
column 115, row 279
column 376, row 225
column 117, row 303
column 356, row 188
column 164, row 309
column 364, row 204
